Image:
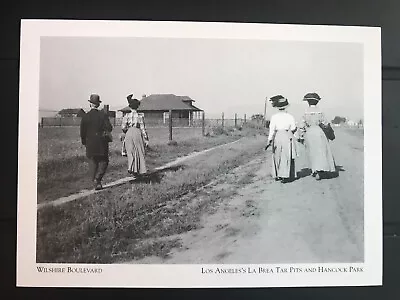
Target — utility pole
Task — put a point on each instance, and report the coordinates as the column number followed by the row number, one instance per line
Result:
column 265, row 111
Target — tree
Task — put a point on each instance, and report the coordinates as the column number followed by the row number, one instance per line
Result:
column 257, row 117
column 339, row 120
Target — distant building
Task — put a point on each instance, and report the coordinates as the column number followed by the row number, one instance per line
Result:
column 351, row 123
column 71, row 112
column 157, row 107
column 78, row 112
column 112, row 114
column 43, row 113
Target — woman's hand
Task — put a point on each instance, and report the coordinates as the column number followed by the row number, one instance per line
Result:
column 268, row 145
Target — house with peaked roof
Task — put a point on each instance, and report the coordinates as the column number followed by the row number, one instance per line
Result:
column 157, row 106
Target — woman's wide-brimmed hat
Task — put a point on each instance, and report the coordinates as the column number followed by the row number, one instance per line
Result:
column 279, row 101
column 312, row 96
column 95, row 99
column 132, row 101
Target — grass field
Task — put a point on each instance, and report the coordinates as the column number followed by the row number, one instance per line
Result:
column 63, row 167
column 126, row 223
column 57, row 143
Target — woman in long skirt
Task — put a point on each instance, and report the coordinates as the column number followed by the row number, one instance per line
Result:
column 135, row 139
column 281, row 138
column 316, row 143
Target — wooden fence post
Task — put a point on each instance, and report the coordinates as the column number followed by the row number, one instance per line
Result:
column 203, row 125
column 170, row 125
column 244, row 118
column 222, row 120
column 235, row 120
column 42, row 122
column 265, row 112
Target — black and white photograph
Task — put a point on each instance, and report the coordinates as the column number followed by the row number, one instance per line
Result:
column 184, row 154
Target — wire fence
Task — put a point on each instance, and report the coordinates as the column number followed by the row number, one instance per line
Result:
column 207, row 126
column 154, row 122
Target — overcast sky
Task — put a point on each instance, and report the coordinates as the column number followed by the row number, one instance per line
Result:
column 230, row 76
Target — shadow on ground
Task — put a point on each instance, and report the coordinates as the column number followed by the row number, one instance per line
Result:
column 156, row 176
column 305, row 172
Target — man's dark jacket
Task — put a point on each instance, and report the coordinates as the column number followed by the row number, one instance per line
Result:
column 93, row 125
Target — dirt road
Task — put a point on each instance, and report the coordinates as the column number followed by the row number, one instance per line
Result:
column 259, row 220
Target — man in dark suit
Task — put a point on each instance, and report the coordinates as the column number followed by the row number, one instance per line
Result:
column 93, row 127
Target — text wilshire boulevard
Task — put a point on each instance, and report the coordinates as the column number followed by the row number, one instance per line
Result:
column 76, row 270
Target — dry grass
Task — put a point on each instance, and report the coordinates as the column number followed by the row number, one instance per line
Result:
column 133, row 221
column 63, row 167
column 60, row 143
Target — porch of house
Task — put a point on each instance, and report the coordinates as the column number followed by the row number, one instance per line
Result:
column 179, row 117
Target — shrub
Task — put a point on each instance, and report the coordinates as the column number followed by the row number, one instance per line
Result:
column 173, row 143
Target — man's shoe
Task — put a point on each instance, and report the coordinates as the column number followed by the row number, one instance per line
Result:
column 98, row 186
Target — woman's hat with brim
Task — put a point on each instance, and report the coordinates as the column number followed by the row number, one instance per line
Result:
column 279, row 101
column 312, row 96
column 133, row 101
column 95, row 99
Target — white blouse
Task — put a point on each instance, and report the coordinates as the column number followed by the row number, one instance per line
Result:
column 281, row 121
column 133, row 118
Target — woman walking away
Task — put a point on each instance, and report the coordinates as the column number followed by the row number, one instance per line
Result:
column 281, row 137
column 136, row 138
column 316, row 143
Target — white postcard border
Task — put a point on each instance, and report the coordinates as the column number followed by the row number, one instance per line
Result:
column 116, row 275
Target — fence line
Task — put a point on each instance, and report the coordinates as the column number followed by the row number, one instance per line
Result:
column 170, row 122
column 176, row 122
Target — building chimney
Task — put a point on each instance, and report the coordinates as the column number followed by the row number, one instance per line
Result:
column 107, row 108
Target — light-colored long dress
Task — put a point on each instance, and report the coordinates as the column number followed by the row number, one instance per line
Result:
column 317, row 146
column 134, row 143
column 284, row 148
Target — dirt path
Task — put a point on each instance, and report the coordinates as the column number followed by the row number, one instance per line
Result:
column 263, row 221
